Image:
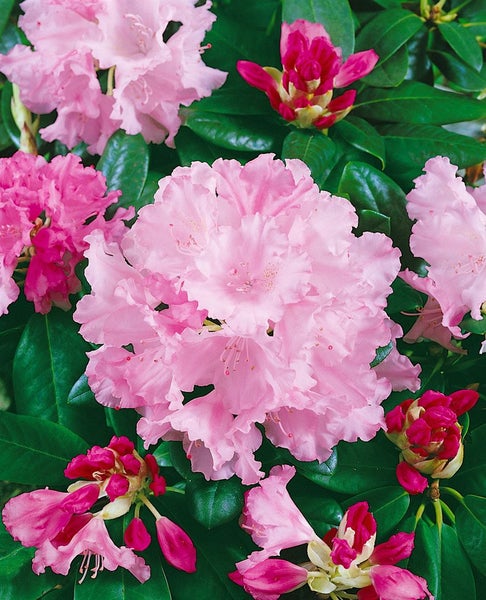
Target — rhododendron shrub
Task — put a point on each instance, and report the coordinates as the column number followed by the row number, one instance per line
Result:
column 346, row 563
column 150, row 55
column 247, row 279
column 63, row 525
column 46, row 209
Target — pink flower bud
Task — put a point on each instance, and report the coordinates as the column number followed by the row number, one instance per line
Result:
column 136, row 535
column 398, row 547
column 410, row 479
column 393, row 583
column 121, row 444
column 117, row 486
column 342, row 553
column 176, row 545
column 272, row 576
column 463, row 400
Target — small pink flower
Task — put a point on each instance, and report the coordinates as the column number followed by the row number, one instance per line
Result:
column 176, row 545
column 136, row 535
column 393, row 583
column 312, row 67
column 429, row 437
column 270, row 578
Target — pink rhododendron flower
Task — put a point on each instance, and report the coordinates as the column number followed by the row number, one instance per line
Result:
column 302, row 92
column 61, row 526
column 151, row 54
column 429, row 436
column 46, row 210
column 249, row 280
column 346, row 561
column 450, row 234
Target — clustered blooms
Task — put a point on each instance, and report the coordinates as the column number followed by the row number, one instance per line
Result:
column 110, row 64
column 312, row 67
column 109, row 481
column 46, row 209
column 344, row 564
column 249, row 280
column 445, row 209
column 429, row 437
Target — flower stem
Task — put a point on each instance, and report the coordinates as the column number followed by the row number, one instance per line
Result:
column 454, row 493
column 448, row 511
column 175, row 490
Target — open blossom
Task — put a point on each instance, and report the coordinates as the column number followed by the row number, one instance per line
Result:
column 346, row 563
column 249, row 280
column 450, row 234
column 429, row 436
column 46, row 209
column 150, row 54
column 64, row 525
column 303, row 91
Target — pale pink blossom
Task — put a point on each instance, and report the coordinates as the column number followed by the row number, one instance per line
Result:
column 46, row 210
column 250, row 280
column 152, row 71
column 345, row 559
column 449, row 234
column 302, row 92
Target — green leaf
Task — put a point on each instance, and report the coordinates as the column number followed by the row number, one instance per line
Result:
column 409, row 147
column 463, row 42
column 370, row 220
column 234, row 132
column 235, row 100
column 125, row 163
column 6, row 113
column 388, row 504
column 35, row 451
column 388, row 32
column 213, row 503
column 360, row 134
column 314, row 148
column 415, row 102
column 50, row 358
column 474, row 325
column 322, row 513
column 457, row 579
column 81, row 394
column 5, row 10
column 370, row 189
column 122, row 585
column 13, row 556
column 315, row 471
column 458, row 72
column 362, row 466
column 335, row 15
column 471, row 477
column 471, row 528
column 11, row 36
column 11, row 327
column 425, row 560
column 26, row 585
column 391, row 72
column 381, row 354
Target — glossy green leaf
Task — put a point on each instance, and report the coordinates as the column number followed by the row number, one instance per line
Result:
column 419, row 65
column 391, row 72
column 6, row 113
column 125, row 163
column 122, row 585
column 11, row 326
column 35, row 451
column 388, row 32
column 235, row 100
column 362, row 466
column 13, row 556
column 214, row 503
column 360, row 134
column 458, row 72
column 81, row 394
column 335, row 15
column 415, row 102
column 471, row 528
column 234, row 132
column 463, row 42
column 409, row 147
column 50, row 358
column 370, row 189
column 315, row 471
column 471, row 477
column 381, row 354
column 26, row 585
column 474, row 325
column 5, row 10
column 425, row 560
column 370, row 220
column 457, row 579
column 314, row 148
column 320, row 511
column 11, row 36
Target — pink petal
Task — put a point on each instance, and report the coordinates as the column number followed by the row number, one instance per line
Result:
column 176, row 545
column 270, row 578
column 136, row 535
column 393, row 583
column 463, row 400
column 410, row 479
column 398, row 547
column 358, row 65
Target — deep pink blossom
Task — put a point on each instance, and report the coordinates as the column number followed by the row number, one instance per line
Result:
column 345, row 559
column 46, row 210
column 312, row 67
column 429, row 436
column 176, row 545
column 151, row 66
column 250, row 280
column 449, row 234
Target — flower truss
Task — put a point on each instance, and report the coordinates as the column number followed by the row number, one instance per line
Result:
column 312, row 67
column 46, row 209
column 429, row 437
column 109, row 481
column 248, row 280
column 456, row 279
column 345, row 564
column 108, row 64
